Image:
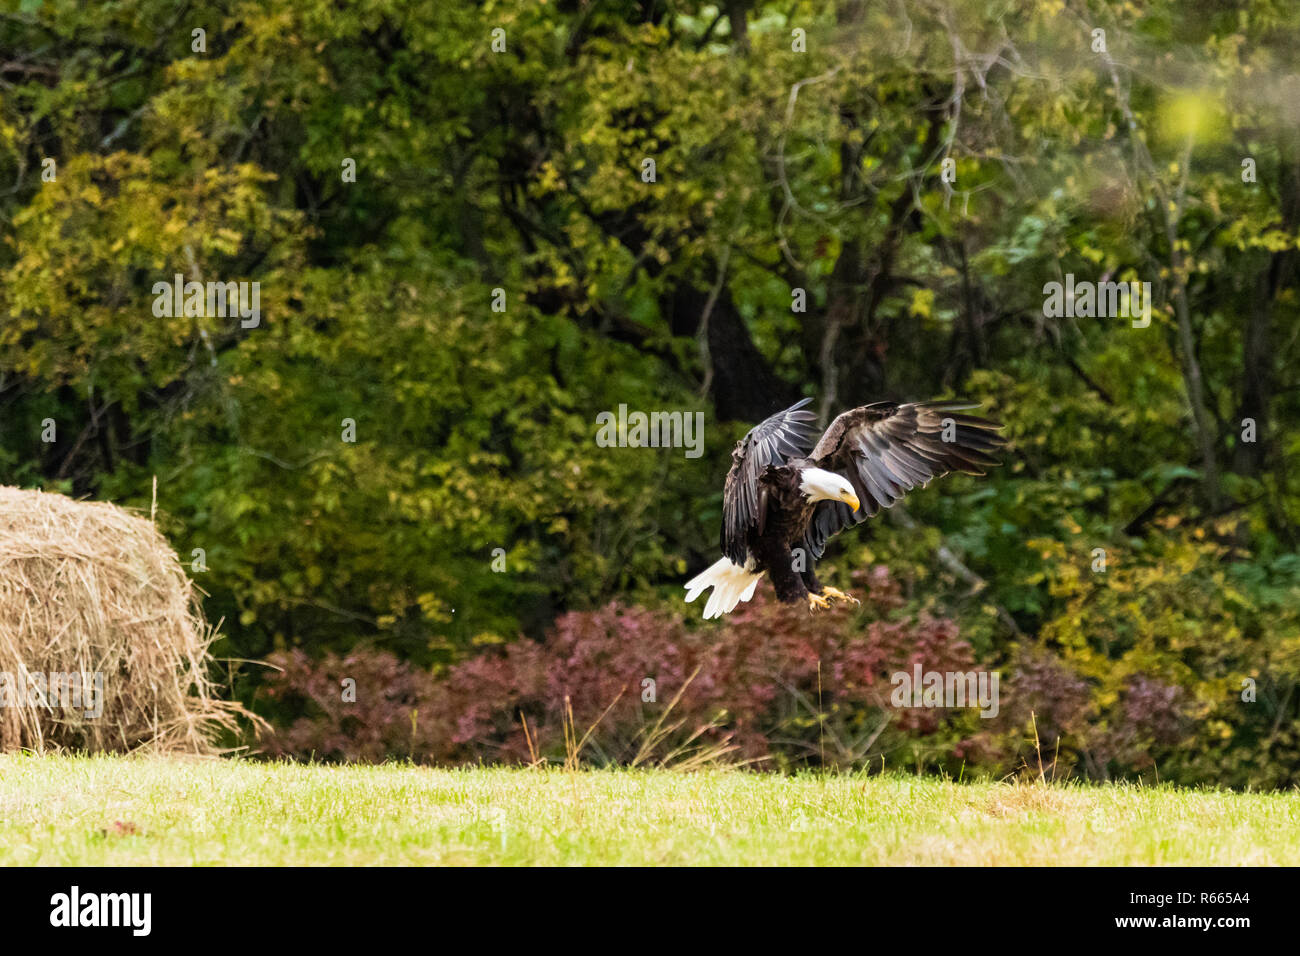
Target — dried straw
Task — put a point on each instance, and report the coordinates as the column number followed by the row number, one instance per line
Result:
column 87, row 587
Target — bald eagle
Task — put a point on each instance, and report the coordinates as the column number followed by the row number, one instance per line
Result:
column 783, row 501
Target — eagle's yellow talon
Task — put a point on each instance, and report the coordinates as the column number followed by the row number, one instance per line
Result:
column 816, row 601
column 838, row 595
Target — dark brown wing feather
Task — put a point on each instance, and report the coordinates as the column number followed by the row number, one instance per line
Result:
column 772, row 442
column 885, row 450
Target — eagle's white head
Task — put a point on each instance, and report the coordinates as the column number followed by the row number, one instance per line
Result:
column 820, row 485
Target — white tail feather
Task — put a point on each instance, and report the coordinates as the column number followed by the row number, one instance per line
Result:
column 731, row 584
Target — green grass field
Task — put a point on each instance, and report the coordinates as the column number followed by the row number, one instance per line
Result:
column 129, row 811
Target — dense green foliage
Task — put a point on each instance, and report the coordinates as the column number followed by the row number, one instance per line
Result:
column 796, row 146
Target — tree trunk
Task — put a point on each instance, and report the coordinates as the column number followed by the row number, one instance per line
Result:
column 736, row 16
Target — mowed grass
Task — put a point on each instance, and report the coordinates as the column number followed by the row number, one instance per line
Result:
column 152, row 810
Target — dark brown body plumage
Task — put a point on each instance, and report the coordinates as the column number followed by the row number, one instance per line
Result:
column 777, row 548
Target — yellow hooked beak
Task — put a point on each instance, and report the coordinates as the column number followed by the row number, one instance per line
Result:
column 852, row 500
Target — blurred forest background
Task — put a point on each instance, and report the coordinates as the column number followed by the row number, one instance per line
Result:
column 796, row 145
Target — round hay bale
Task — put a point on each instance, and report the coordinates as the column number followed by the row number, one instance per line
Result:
column 103, row 645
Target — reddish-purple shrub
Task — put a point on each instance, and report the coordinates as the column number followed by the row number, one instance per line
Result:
column 1155, row 710
column 1152, row 714
column 770, row 681
column 379, row 724
column 1044, row 692
column 1074, row 735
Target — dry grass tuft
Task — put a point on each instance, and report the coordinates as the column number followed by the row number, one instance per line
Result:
column 88, row 588
column 1021, row 799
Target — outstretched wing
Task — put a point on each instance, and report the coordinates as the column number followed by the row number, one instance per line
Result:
column 885, row 450
column 771, row 442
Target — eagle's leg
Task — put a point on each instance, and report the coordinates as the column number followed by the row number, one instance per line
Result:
column 838, row 595
column 817, row 595
column 817, row 589
column 786, row 582
column 810, row 581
